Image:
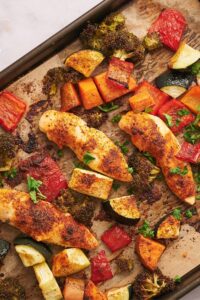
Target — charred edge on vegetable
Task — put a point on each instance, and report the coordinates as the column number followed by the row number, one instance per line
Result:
column 36, row 108
column 30, row 146
column 4, row 248
column 7, row 148
column 10, row 288
column 160, row 222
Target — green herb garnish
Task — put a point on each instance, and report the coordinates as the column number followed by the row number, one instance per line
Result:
column 168, row 120
column 177, row 279
column 131, row 170
column 197, row 120
column 195, row 68
column 123, row 146
column 87, row 158
column 108, row 107
column 183, row 112
column 60, row 153
column 10, row 174
column 33, row 188
column 130, row 190
column 149, row 157
column 192, row 133
column 177, row 213
column 116, row 185
column 116, row 119
column 79, row 165
column 198, row 197
column 178, row 171
column 146, row 230
column 188, row 214
column 148, row 110
column 178, row 121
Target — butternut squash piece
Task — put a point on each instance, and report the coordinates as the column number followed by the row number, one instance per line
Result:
column 84, row 61
column 108, row 91
column 149, row 251
column 69, row 97
column 89, row 93
column 192, row 99
column 73, row 289
column 93, row 293
column 142, row 100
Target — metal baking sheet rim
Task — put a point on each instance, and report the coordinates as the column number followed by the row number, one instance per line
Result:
column 50, row 47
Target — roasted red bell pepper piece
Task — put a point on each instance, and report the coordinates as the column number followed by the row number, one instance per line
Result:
column 119, row 72
column 170, row 26
column 116, row 238
column 159, row 97
column 176, row 115
column 100, row 268
column 189, row 152
column 11, row 110
column 42, row 167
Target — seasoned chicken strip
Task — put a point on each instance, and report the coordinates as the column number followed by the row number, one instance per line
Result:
column 66, row 129
column 42, row 221
column 149, row 133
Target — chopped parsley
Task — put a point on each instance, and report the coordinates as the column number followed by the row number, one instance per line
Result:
column 11, row 174
column 188, row 214
column 116, row 119
column 168, row 120
column 78, row 165
column 146, row 230
column 183, row 112
column 192, row 133
column 177, row 213
column 87, row 158
column 131, row 170
column 60, row 153
column 108, row 107
column 178, row 171
column 149, row 157
column 197, row 120
column 123, row 146
column 33, row 188
column 177, row 279
column 116, row 185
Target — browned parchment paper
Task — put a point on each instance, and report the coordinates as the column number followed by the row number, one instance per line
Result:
column 181, row 255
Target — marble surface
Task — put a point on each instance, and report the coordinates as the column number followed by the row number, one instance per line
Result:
column 25, row 24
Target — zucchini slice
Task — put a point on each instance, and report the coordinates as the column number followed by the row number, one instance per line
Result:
column 122, row 293
column 184, row 57
column 40, row 247
column 4, row 248
column 173, row 90
column 29, row 255
column 174, row 78
column 168, row 228
column 123, row 209
column 47, row 282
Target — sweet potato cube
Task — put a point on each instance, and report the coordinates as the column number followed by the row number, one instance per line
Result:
column 192, row 99
column 89, row 93
column 93, row 293
column 140, row 101
column 73, row 289
column 109, row 91
column 69, row 97
column 149, row 251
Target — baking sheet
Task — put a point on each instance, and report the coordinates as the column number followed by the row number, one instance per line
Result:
column 181, row 255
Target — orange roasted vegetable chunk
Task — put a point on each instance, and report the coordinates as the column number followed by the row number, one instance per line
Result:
column 73, row 289
column 89, row 93
column 110, row 92
column 192, row 99
column 93, row 293
column 149, row 251
column 69, row 97
column 142, row 100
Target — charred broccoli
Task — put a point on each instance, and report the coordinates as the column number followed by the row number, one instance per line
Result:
column 152, row 41
column 113, row 39
column 56, row 76
column 11, row 289
column 148, row 285
column 95, row 118
column 7, row 151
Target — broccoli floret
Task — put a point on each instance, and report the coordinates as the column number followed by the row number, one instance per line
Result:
column 148, row 285
column 11, row 289
column 95, row 118
column 7, row 150
column 152, row 41
column 113, row 39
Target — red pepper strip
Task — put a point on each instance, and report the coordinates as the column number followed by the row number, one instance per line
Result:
column 11, row 110
column 44, row 168
column 119, row 72
column 116, row 238
column 173, row 109
column 170, row 25
column 100, row 268
column 159, row 97
column 189, row 152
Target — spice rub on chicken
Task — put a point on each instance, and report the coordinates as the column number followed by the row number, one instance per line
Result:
column 67, row 129
column 43, row 222
column 149, row 133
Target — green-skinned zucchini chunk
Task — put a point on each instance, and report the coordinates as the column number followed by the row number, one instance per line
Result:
column 122, row 293
column 123, row 209
column 41, row 247
column 174, row 78
column 173, row 90
column 168, row 228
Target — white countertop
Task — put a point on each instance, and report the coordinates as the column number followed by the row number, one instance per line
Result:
column 24, row 24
